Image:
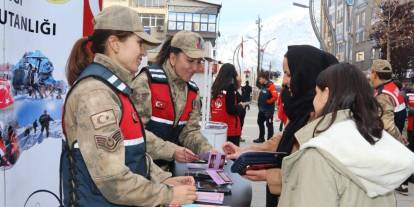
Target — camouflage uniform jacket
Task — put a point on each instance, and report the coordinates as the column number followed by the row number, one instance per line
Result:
column 107, row 169
column 190, row 136
column 387, row 104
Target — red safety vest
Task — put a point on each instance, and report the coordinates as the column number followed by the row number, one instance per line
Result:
column 410, row 119
column 163, row 111
column 163, row 107
column 392, row 90
column 219, row 114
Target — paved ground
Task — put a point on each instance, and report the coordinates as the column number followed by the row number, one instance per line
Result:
column 251, row 131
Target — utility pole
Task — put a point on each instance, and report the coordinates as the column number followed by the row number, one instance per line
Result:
column 259, row 28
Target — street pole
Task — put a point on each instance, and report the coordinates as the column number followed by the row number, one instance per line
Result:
column 349, row 41
column 259, row 27
column 313, row 22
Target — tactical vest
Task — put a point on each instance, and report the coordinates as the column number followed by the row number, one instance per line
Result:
column 78, row 186
column 410, row 119
column 219, row 114
column 162, row 122
column 399, row 110
column 163, row 112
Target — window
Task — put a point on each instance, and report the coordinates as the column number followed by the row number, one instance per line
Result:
column 339, row 31
column 362, row 36
column 357, row 37
column 196, row 26
column 204, row 18
column 331, row 19
column 152, row 20
column 373, row 51
column 148, row 3
column 203, row 27
column 340, row 15
column 196, row 17
column 362, row 19
column 359, row 56
column 180, row 25
column 188, row 26
column 357, row 21
column 145, row 21
column 211, row 18
column 172, row 16
column 192, row 22
column 212, row 27
column 180, row 16
column 188, row 17
column 172, row 25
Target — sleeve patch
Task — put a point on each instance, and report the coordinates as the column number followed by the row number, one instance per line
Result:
column 103, row 119
column 109, row 144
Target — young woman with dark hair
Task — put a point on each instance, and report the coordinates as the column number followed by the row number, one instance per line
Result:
column 301, row 66
column 225, row 106
column 345, row 158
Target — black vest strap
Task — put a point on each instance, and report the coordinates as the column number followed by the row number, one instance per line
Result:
column 157, row 74
column 192, row 86
column 102, row 73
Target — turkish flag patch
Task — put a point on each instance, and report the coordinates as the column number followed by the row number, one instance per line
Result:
column 160, row 104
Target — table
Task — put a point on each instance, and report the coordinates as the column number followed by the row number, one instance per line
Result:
column 241, row 189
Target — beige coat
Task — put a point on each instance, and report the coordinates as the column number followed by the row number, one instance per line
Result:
column 113, row 178
column 339, row 168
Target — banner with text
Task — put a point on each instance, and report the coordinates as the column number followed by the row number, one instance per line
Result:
column 36, row 37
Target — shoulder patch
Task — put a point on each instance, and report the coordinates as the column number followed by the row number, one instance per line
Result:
column 103, row 119
column 192, row 85
column 157, row 74
column 109, row 144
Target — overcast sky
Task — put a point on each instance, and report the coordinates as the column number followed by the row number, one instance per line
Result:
column 236, row 14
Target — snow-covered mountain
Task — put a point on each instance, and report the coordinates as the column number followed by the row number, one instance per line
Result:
column 289, row 28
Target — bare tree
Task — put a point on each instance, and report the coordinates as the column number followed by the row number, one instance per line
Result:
column 393, row 32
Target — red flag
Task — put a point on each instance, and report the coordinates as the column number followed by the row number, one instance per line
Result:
column 90, row 9
column 242, row 47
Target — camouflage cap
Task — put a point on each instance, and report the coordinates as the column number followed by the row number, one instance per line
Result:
column 191, row 43
column 123, row 19
column 381, row 66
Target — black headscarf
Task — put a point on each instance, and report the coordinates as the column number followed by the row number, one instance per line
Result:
column 305, row 63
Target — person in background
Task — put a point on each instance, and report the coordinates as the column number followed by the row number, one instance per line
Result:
column 44, row 121
column 246, row 94
column 266, row 102
column 281, row 115
column 345, row 157
column 35, row 125
column 168, row 101
column 410, row 120
column 104, row 156
column 388, row 95
column 410, row 117
column 392, row 102
column 242, row 112
column 224, row 104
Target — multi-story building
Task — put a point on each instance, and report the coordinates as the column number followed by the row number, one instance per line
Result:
column 162, row 18
column 352, row 25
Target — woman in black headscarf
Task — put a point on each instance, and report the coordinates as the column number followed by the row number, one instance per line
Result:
column 301, row 65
